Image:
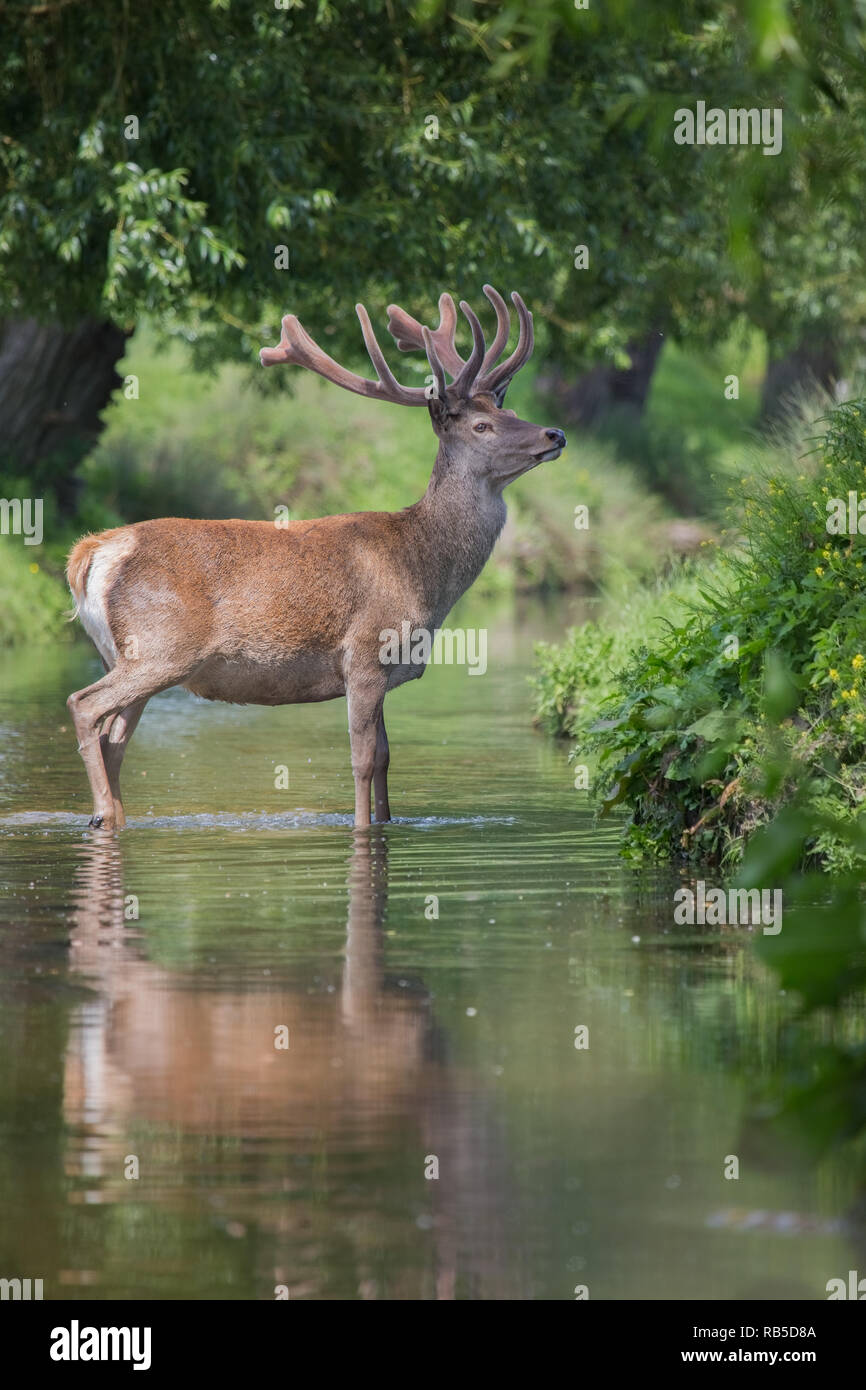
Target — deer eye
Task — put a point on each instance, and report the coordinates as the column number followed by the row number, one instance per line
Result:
column 481, row 427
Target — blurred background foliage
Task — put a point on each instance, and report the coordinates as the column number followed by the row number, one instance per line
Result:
column 307, row 127
column 152, row 162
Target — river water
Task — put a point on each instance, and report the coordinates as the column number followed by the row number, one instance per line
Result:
column 247, row 1053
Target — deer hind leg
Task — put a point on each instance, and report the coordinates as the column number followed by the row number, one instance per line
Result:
column 123, row 692
column 365, row 713
column 380, row 771
column 116, row 733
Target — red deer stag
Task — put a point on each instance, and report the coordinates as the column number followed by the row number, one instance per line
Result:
column 252, row 613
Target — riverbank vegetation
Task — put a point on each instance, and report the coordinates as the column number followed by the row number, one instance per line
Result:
column 685, row 698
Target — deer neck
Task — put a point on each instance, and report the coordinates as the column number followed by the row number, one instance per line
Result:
column 456, row 525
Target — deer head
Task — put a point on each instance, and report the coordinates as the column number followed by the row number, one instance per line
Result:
column 478, row 438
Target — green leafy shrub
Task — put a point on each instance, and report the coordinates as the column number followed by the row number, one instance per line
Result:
column 574, row 679
column 774, row 647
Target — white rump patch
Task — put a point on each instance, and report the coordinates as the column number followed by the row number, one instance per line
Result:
column 93, row 609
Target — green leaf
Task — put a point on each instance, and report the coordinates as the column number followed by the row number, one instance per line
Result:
column 718, row 724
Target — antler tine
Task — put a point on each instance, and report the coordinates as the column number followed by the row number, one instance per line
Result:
column 404, row 395
column 408, row 333
column 463, row 384
column 496, row 381
column 296, row 346
column 503, row 328
column 435, row 363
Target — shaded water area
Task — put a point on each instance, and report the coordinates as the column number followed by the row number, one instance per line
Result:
column 144, row 977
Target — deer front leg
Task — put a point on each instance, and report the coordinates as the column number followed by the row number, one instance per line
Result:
column 365, row 712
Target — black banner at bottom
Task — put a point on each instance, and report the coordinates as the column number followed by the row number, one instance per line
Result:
column 81, row 1339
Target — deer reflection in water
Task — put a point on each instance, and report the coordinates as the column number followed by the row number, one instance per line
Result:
column 162, row 1060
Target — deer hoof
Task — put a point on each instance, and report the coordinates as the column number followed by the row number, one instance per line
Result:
column 95, row 822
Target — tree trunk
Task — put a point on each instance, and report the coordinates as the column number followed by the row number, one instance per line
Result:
column 604, row 391
column 54, row 384
column 812, row 365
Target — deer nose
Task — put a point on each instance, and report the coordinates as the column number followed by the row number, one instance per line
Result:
column 556, row 437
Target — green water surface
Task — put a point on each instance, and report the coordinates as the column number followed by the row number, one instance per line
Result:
column 431, row 1130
